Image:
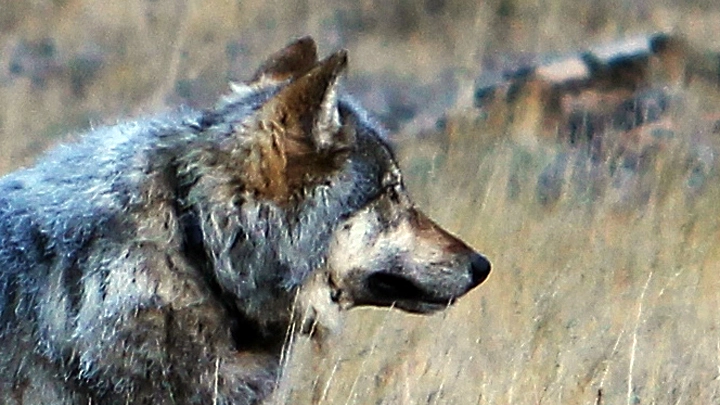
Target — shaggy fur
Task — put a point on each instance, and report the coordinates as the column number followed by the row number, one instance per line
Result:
column 158, row 261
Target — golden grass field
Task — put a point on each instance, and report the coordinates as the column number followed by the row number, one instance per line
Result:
column 603, row 300
column 607, row 294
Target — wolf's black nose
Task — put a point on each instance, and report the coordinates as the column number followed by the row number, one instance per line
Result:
column 480, row 268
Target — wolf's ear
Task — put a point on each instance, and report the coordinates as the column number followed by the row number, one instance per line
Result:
column 291, row 62
column 306, row 110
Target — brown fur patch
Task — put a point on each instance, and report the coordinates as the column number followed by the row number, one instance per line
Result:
column 432, row 232
column 300, row 138
column 266, row 166
column 281, row 165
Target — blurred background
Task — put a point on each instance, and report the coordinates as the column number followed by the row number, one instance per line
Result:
column 575, row 143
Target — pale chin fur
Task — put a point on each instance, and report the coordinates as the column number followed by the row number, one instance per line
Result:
column 317, row 314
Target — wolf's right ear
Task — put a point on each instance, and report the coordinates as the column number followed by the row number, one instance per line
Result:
column 291, row 62
column 306, row 111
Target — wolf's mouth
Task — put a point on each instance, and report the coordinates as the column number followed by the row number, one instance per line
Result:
column 400, row 292
column 392, row 286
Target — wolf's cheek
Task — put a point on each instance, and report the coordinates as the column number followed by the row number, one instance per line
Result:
column 371, row 264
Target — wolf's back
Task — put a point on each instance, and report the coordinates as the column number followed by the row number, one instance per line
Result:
column 71, row 228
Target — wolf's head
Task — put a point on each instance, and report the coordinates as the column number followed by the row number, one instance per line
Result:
column 345, row 226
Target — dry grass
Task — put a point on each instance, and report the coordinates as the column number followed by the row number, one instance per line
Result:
column 608, row 299
column 607, row 293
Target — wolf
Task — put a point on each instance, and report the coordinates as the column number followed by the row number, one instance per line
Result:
column 163, row 260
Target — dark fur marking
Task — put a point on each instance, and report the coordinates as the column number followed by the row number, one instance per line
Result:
column 247, row 333
column 104, row 277
column 207, row 119
column 10, row 301
column 74, row 288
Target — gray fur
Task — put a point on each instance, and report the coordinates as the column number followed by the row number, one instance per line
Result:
column 138, row 267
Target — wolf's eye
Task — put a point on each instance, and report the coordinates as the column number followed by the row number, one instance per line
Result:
column 379, row 192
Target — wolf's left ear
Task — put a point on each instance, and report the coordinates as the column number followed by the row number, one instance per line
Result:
column 291, row 62
column 306, row 110
column 287, row 64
